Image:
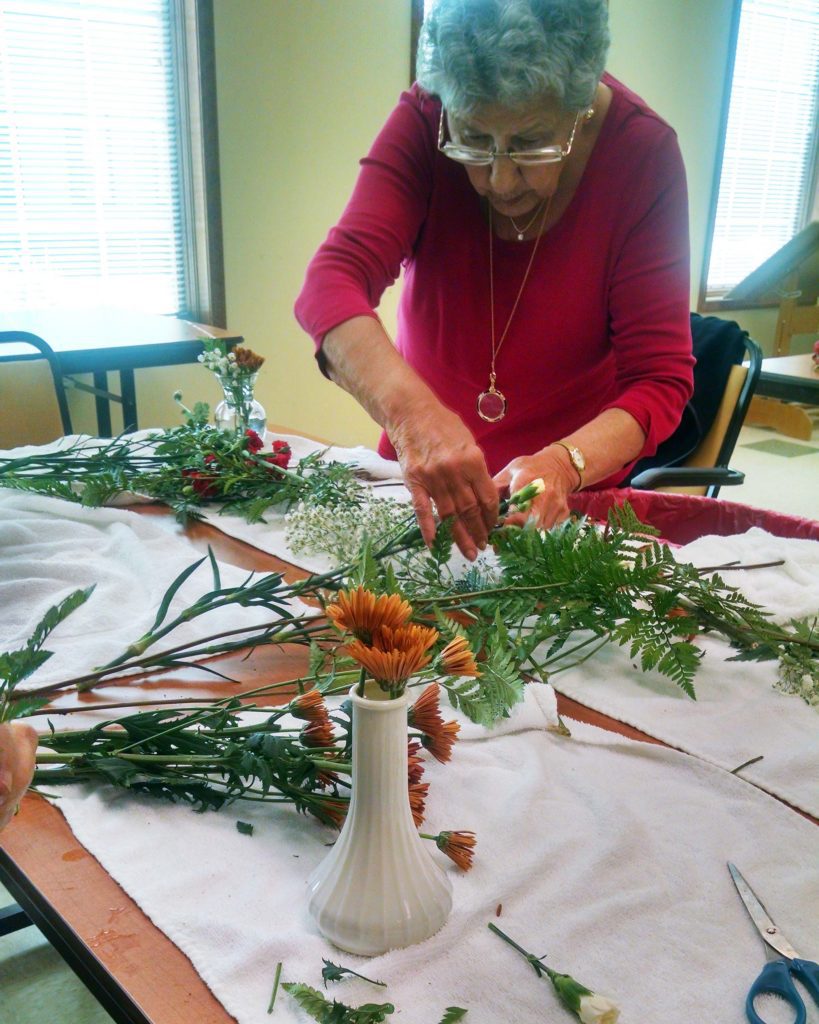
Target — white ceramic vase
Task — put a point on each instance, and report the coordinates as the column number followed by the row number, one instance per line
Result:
column 379, row 888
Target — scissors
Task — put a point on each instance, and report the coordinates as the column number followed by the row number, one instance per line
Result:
column 775, row 978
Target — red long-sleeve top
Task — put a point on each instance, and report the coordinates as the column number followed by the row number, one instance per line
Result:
column 603, row 321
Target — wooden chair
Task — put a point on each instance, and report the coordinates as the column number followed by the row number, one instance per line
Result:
column 44, row 351
column 695, row 459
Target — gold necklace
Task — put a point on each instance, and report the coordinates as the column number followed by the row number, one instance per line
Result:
column 491, row 404
column 522, row 231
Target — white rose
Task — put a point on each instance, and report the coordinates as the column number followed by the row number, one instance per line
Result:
column 595, row 1009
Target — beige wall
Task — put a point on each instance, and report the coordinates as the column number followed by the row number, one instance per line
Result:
column 303, row 85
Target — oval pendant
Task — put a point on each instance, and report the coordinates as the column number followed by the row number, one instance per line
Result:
column 491, row 405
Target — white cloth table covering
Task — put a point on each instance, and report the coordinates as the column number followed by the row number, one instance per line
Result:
column 606, row 854
column 49, row 547
column 745, row 716
column 738, row 715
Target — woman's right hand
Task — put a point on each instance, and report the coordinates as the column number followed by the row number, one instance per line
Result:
column 18, row 743
column 445, row 472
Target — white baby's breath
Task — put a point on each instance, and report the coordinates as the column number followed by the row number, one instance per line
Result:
column 342, row 528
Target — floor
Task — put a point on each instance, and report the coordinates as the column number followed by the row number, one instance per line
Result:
column 781, row 473
column 35, row 986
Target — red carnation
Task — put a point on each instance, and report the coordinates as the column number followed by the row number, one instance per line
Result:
column 204, row 484
column 280, row 456
column 254, row 442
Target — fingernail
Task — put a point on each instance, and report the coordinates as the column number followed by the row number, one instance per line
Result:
column 472, row 554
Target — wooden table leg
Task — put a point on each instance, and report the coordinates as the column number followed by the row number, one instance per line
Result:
column 785, row 417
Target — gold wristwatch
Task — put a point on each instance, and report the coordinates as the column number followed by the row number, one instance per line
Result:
column 576, row 458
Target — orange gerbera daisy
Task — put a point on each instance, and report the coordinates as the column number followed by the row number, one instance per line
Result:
column 415, row 764
column 417, row 798
column 425, row 715
column 458, row 846
column 309, row 706
column 331, row 810
column 457, row 658
column 360, row 612
column 318, row 733
column 396, row 654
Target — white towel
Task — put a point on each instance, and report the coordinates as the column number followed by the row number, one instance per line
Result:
column 738, row 715
column 50, row 547
column 607, row 855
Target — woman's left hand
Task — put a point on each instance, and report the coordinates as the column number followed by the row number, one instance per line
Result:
column 559, row 477
column 18, row 743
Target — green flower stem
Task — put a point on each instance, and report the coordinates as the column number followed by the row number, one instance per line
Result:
column 536, row 962
column 331, row 766
column 149, row 664
column 163, row 759
column 586, row 657
column 272, row 1002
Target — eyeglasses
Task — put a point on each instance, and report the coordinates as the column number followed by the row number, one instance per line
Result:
column 524, row 157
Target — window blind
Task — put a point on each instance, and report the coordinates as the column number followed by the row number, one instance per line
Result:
column 771, row 139
column 90, row 204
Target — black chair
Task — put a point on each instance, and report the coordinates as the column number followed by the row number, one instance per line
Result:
column 694, row 460
column 47, row 353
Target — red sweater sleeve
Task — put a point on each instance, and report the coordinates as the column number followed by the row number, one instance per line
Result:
column 363, row 253
column 649, row 298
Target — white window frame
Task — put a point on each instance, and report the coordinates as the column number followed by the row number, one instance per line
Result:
column 809, row 199
column 200, row 254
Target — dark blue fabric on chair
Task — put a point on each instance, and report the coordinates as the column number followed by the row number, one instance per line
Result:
column 717, row 345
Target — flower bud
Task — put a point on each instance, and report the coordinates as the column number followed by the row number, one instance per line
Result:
column 523, row 498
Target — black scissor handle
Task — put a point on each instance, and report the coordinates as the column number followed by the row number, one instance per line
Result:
column 775, row 980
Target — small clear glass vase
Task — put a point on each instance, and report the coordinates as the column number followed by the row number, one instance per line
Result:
column 239, row 411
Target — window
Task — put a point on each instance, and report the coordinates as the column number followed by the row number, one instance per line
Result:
column 107, row 187
column 767, row 175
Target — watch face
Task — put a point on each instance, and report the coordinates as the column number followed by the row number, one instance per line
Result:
column 577, row 458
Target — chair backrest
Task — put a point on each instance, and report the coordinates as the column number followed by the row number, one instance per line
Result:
column 43, row 351
column 723, row 388
column 717, row 445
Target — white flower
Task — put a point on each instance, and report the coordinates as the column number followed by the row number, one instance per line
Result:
column 597, row 1009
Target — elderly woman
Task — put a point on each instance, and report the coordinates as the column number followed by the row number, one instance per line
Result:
column 18, row 743
column 539, row 210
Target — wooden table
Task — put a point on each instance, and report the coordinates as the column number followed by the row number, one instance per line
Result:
column 98, row 340
column 785, row 380
column 133, row 969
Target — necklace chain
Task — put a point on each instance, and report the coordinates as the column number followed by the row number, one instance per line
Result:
column 522, row 231
column 497, row 347
column 491, row 403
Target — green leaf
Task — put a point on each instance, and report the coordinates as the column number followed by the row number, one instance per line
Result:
column 171, row 592
column 491, row 696
column 453, row 1014
column 325, row 1012
column 217, row 578
column 20, row 707
column 335, row 972
column 18, row 665
column 244, row 827
column 54, row 616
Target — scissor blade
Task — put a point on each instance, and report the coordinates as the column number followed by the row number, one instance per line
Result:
column 759, row 915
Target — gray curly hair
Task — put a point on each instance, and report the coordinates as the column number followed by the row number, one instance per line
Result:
column 472, row 53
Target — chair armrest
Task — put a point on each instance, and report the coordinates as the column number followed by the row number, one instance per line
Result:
column 687, row 476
